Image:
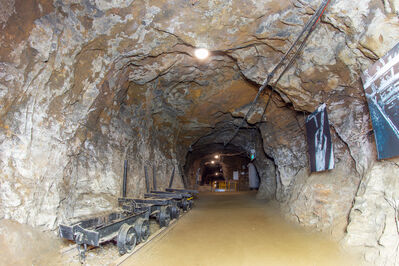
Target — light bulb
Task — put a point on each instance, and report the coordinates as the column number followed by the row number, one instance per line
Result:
column 201, row 53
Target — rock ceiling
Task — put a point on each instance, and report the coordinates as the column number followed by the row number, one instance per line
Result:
column 87, row 84
column 139, row 51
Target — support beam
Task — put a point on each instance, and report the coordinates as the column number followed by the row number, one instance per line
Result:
column 147, row 182
column 171, row 177
column 154, row 179
column 124, row 184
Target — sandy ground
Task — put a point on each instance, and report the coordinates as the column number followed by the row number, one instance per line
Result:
column 237, row 229
column 222, row 229
column 23, row 245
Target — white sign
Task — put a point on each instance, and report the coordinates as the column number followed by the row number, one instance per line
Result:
column 235, row 175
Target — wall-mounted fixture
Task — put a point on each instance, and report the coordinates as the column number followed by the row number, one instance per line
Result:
column 252, row 154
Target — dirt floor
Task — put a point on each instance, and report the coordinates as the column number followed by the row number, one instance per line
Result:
column 237, row 229
column 222, row 229
column 21, row 244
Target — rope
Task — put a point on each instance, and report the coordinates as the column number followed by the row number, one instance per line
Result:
column 310, row 26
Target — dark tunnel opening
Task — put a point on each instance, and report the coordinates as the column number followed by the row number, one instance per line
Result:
column 226, row 168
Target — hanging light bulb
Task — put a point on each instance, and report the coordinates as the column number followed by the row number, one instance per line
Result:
column 201, row 53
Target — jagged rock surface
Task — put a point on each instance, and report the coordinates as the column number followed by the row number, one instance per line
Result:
column 84, row 85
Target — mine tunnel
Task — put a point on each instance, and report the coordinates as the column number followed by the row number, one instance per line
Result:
column 196, row 132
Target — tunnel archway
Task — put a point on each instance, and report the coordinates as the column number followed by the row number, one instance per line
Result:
column 86, row 85
column 233, row 157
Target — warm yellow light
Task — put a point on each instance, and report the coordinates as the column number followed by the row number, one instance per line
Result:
column 217, row 173
column 216, row 156
column 201, row 53
column 212, row 162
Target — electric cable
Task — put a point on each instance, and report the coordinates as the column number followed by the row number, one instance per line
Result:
column 310, row 26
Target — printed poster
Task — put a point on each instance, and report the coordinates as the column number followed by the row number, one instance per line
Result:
column 381, row 86
column 320, row 147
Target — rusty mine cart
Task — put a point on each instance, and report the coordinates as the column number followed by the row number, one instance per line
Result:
column 127, row 228
column 130, row 224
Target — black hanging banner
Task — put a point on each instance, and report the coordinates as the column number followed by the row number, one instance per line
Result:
column 320, row 146
column 381, row 86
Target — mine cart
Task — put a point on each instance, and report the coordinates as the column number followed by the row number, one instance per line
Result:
column 183, row 200
column 163, row 209
column 126, row 227
column 190, row 191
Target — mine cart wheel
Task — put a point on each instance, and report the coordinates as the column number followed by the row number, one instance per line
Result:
column 164, row 216
column 127, row 239
column 185, row 205
column 142, row 227
column 175, row 212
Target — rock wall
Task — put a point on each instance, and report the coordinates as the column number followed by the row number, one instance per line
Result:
column 84, row 85
column 54, row 172
column 373, row 222
column 344, row 45
column 69, row 118
column 318, row 200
